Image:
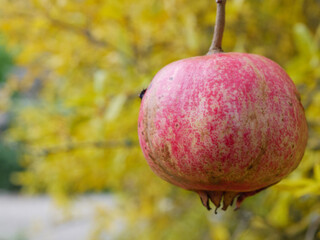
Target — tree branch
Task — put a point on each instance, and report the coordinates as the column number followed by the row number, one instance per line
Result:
column 81, row 31
column 81, row 145
column 85, row 32
column 311, row 93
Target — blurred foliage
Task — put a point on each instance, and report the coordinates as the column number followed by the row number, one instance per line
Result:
column 9, row 154
column 81, row 66
column 9, row 164
column 6, row 63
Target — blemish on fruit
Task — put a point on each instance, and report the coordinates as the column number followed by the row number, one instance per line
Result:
column 142, row 93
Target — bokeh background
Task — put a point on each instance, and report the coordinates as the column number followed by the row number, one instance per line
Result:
column 70, row 75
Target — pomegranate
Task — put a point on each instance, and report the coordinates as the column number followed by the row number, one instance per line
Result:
column 225, row 125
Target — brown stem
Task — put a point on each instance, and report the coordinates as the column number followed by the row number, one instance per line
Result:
column 218, row 29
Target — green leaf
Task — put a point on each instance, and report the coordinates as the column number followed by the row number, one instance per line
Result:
column 304, row 40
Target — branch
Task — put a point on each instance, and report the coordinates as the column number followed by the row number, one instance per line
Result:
column 310, row 94
column 313, row 227
column 81, row 31
column 315, row 147
column 85, row 32
column 81, row 145
column 216, row 46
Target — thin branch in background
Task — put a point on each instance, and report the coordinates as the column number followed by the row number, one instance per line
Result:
column 85, row 32
column 313, row 227
column 81, row 31
column 243, row 224
column 311, row 93
column 84, row 145
column 315, row 147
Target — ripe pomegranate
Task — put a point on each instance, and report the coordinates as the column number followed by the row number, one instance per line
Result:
column 227, row 124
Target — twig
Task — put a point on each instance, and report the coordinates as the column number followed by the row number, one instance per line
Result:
column 313, row 227
column 85, row 32
column 81, row 145
column 310, row 94
column 81, row 31
column 315, row 147
column 216, row 46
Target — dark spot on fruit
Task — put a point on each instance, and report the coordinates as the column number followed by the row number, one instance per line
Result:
column 290, row 103
column 253, row 116
column 214, row 180
column 292, row 146
column 152, row 158
column 177, row 125
column 250, row 166
column 142, row 93
column 171, row 78
column 282, row 119
column 166, row 155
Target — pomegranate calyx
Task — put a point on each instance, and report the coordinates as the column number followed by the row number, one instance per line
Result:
column 227, row 198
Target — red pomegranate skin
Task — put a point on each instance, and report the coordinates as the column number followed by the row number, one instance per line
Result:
column 227, row 124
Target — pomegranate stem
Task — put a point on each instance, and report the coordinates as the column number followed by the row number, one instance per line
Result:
column 216, row 46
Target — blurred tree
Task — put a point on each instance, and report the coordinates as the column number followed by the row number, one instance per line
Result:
column 86, row 62
column 9, row 164
column 6, row 63
column 9, row 154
